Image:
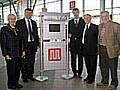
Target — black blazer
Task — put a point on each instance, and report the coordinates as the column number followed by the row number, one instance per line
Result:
column 91, row 39
column 11, row 41
column 21, row 24
column 76, row 31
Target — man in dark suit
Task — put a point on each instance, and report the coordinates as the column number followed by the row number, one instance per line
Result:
column 75, row 30
column 90, row 48
column 30, row 34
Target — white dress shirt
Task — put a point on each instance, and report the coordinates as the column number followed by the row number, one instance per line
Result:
column 84, row 32
column 77, row 20
column 26, row 20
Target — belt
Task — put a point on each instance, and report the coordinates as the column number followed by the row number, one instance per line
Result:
column 30, row 43
column 102, row 46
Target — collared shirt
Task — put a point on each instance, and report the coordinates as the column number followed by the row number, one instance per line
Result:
column 76, row 19
column 102, row 35
column 86, row 26
column 26, row 20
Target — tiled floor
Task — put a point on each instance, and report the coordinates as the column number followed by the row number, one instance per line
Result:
column 55, row 82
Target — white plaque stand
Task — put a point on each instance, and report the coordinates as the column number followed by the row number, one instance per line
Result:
column 41, row 77
column 67, row 75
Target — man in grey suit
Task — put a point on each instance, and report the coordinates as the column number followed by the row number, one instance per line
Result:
column 109, row 49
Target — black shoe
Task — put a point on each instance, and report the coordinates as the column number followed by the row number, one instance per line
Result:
column 79, row 77
column 12, row 87
column 90, row 81
column 32, row 79
column 25, row 80
column 75, row 75
column 86, row 79
column 19, row 86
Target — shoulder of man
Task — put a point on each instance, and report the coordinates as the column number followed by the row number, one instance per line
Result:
column 3, row 29
column 114, row 23
column 95, row 25
column 72, row 19
column 20, row 20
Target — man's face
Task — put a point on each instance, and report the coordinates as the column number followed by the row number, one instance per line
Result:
column 87, row 19
column 28, row 14
column 104, row 17
column 76, row 14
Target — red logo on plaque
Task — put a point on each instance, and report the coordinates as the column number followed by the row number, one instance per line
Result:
column 72, row 5
column 54, row 54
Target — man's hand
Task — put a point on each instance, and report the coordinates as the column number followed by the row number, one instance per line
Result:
column 23, row 54
column 7, row 57
column 69, row 35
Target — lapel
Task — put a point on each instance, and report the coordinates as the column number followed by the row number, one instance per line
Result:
column 77, row 22
column 25, row 28
column 89, row 29
column 24, row 23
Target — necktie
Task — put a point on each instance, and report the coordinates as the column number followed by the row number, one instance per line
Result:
column 85, row 33
column 30, row 31
column 87, row 27
column 76, row 23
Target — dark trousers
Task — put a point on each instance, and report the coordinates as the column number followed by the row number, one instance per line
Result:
column 107, row 64
column 13, row 71
column 28, row 62
column 75, row 51
column 91, row 65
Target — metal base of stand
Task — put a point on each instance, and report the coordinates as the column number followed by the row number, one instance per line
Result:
column 41, row 78
column 67, row 76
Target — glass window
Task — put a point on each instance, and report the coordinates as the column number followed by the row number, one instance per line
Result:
column 92, row 4
column 66, row 6
column 116, row 3
column 53, row 6
column 107, row 4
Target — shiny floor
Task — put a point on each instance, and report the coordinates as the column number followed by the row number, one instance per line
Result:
column 55, row 81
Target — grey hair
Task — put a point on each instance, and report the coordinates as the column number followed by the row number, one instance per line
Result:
column 10, row 15
column 87, row 15
column 104, row 12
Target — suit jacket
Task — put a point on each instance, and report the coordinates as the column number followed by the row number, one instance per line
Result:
column 76, row 31
column 91, row 40
column 11, row 42
column 113, row 39
column 21, row 24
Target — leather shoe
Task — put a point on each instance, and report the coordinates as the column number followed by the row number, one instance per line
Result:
column 12, row 87
column 86, row 79
column 102, row 84
column 32, row 79
column 25, row 80
column 90, row 81
column 19, row 86
column 79, row 77
column 75, row 75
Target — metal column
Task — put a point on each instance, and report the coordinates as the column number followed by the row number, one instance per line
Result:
column 102, row 5
column 34, row 4
column 111, row 16
column 27, row 3
column 44, row 3
column 83, row 6
column 2, row 13
column 10, row 6
column 61, row 6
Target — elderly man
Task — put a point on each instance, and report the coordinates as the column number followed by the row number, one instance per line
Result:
column 109, row 49
column 90, row 47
